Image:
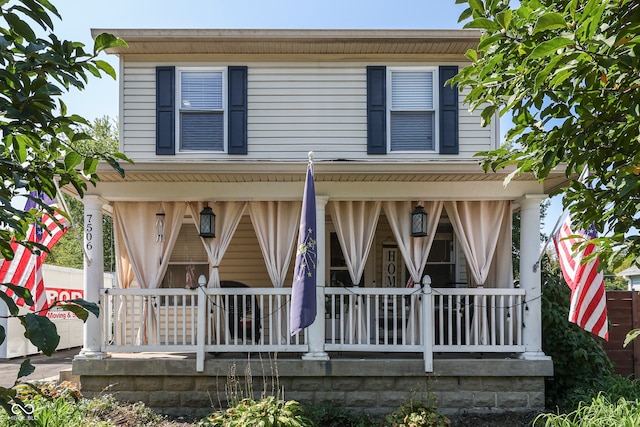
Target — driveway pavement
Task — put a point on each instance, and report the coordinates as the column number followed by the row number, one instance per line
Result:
column 47, row 367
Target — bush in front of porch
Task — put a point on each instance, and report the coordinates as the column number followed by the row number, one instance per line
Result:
column 580, row 363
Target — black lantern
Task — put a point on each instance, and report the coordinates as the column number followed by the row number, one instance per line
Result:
column 207, row 222
column 418, row 222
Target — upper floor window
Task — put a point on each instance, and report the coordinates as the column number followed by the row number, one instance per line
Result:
column 412, row 110
column 201, row 110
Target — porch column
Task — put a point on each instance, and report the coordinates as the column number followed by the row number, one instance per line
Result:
column 316, row 330
column 93, row 276
column 530, row 279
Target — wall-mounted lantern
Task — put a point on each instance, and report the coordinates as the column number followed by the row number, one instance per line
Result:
column 418, row 222
column 207, row 222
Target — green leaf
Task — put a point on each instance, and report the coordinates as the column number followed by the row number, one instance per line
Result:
column 106, row 67
column 20, row 27
column 477, row 6
column 20, row 291
column 42, row 332
column 472, row 55
column 549, row 47
column 26, row 368
column 484, row 24
column 504, row 18
column 84, row 305
column 631, row 335
column 549, row 21
column 71, row 160
column 105, row 40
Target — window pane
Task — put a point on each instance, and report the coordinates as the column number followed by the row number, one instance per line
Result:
column 412, row 90
column 412, row 130
column 201, row 91
column 201, row 131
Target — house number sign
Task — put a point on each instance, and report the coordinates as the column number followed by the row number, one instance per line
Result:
column 389, row 266
column 88, row 229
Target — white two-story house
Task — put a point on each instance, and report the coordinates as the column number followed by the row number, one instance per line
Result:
column 221, row 122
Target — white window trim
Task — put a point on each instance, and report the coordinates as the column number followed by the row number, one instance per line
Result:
column 178, row 97
column 436, row 108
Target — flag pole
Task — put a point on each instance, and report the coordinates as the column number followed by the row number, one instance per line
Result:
column 583, row 174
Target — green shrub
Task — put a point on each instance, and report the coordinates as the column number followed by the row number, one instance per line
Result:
column 330, row 414
column 416, row 414
column 600, row 412
column 579, row 360
column 266, row 412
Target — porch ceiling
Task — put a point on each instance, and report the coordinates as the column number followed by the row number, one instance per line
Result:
column 252, row 172
column 294, row 42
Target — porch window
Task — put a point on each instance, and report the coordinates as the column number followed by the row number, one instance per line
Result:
column 201, row 110
column 412, row 114
column 339, row 272
column 188, row 260
column 441, row 261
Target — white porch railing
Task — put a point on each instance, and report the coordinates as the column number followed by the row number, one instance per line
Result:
column 356, row 319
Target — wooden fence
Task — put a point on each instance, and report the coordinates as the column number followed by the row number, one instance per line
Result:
column 623, row 309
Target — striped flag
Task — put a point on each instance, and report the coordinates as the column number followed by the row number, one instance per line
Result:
column 26, row 267
column 303, row 291
column 588, row 299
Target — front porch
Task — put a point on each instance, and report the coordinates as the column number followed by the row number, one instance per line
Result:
column 171, row 343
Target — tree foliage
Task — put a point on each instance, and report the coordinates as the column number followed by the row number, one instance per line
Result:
column 567, row 71
column 68, row 251
column 41, row 142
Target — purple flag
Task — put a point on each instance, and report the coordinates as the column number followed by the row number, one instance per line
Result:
column 303, row 292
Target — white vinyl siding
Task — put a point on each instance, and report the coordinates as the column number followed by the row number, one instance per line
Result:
column 201, row 111
column 412, row 111
column 292, row 109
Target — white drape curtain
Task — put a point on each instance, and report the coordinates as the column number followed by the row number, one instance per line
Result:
column 478, row 226
column 124, row 271
column 228, row 215
column 355, row 224
column 414, row 250
column 276, row 225
column 135, row 227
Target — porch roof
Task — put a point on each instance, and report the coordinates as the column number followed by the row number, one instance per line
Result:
column 326, row 171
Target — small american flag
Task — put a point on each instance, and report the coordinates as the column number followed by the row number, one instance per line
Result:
column 26, row 267
column 588, row 299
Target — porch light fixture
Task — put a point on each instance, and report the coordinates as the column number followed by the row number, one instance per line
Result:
column 207, row 222
column 418, row 222
column 160, row 217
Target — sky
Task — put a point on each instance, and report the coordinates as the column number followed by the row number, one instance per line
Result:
column 101, row 95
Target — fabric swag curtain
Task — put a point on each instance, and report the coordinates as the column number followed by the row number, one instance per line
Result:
column 134, row 223
column 276, row 224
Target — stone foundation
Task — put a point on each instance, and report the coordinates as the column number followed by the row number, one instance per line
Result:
column 375, row 386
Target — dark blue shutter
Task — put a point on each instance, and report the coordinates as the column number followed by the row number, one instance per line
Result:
column 237, row 126
column 376, row 110
column 448, row 111
column 165, row 110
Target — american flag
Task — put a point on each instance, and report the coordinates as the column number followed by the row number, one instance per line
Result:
column 26, row 267
column 588, row 299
